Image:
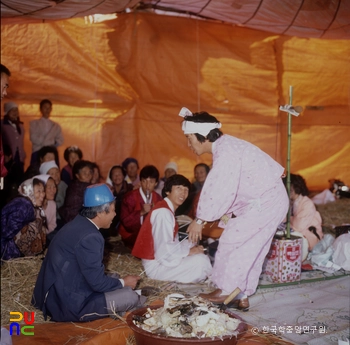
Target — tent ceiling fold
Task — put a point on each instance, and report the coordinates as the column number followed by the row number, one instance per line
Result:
column 329, row 19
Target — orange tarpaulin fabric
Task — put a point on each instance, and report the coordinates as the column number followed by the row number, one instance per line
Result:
column 118, row 86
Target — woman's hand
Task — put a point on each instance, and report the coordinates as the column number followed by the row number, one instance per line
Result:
column 196, row 250
column 194, row 232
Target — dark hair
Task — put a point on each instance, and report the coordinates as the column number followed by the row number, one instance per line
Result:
column 205, row 166
column 81, row 164
column 175, row 180
column 129, row 160
column 95, row 165
column 91, row 212
column 149, row 171
column 4, row 69
column 298, row 183
column 74, row 149
column 45, row 101
column 117, row 167
column 204, row 117
column 37, row 182
column 48, row 149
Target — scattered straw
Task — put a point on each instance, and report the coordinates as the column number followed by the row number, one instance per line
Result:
column 334, row 214
column 18, row 277
column 130, row 340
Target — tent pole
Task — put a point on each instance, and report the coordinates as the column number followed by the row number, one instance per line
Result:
column 288, row 158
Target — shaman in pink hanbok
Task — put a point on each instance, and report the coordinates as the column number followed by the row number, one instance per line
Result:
column 245, row 182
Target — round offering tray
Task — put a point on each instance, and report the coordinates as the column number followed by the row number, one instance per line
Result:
column 146, row 338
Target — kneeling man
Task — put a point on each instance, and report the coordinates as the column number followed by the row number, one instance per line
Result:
column 72, row 284
column 157, row 244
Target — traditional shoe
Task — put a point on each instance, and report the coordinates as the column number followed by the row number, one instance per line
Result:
column 214, row 295
column 240, row 304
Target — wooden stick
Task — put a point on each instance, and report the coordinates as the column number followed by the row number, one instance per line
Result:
column 232, row 295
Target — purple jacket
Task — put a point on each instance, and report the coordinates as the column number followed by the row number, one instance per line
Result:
column 14, row 216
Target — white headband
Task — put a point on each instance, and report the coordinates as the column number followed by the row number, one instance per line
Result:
column 190, row 127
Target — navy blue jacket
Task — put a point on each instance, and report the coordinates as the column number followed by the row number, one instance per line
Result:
column 72, row 280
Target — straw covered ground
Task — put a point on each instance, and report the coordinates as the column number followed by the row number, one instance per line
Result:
column 18, row 276
column 334, row 214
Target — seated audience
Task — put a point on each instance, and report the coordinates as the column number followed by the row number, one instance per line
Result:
column 169, row 170
column 201, row 172
column 119, row 186
column 163, row 256
column 52, row 169
column 96, row 174
column 71, row 155
column 72, row 285
column 131, row 166
column 45, row 154
column 23, row 222
column 304, row 216
column 49, row 204
column 82, row 172
column 136, row 205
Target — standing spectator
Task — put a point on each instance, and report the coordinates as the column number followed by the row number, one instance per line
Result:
column 246, row 182
column 5, row 76
column 131, row 166
column 71, row 155
column 136, row 205
column 44, row 132
column 12, row 133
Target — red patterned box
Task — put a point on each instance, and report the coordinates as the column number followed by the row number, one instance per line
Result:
column 283, row 262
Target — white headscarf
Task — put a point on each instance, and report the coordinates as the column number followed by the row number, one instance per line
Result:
column 190, row 127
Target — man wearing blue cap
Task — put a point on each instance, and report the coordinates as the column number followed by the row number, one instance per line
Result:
column 72, row 284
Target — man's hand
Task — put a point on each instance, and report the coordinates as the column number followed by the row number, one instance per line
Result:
column 196, row 250
column 194, row 232
column 131, row 281
column 146, row 208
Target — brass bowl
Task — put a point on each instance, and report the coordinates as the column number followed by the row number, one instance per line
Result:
column 147, row 338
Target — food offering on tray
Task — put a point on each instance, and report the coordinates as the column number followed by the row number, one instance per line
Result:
column 183, row 317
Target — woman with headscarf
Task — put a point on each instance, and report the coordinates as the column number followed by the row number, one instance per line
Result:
column 23, row 222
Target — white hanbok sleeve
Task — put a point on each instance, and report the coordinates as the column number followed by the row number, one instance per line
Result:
column 220, row 187
column 167, row 251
